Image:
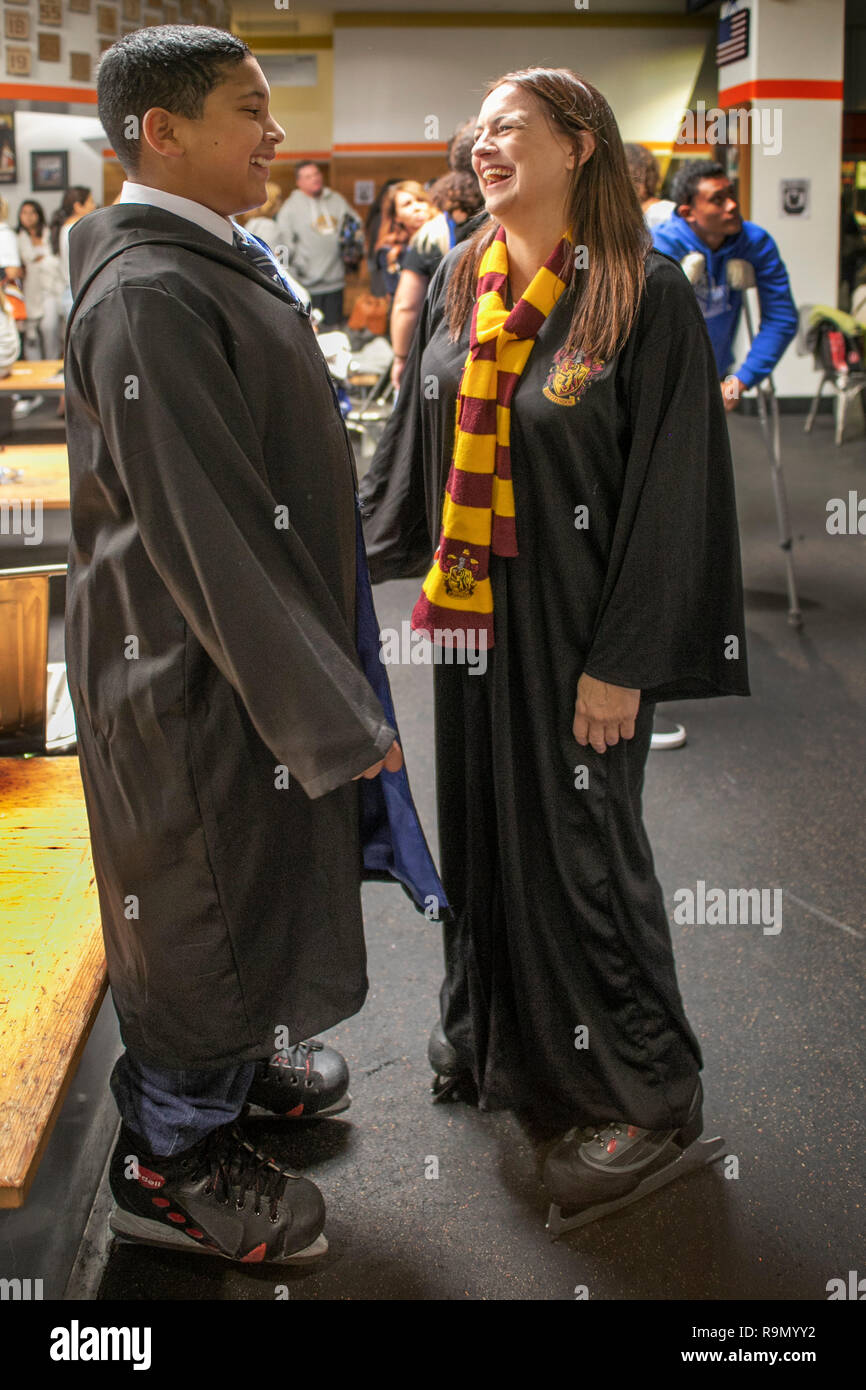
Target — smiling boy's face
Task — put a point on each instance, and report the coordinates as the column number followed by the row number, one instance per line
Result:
column 221, row 160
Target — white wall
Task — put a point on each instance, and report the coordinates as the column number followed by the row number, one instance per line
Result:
column 387, row 81
column 82, row 136
column 795, row 40
column 77, row 35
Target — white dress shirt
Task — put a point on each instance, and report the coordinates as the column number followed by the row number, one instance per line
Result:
column 211, row 221
column 222, row 227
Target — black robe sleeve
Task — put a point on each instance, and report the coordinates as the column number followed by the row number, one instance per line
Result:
column 189, row 457
column 670, row 621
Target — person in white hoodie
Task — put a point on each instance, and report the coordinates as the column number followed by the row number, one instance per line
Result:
column 309, row 226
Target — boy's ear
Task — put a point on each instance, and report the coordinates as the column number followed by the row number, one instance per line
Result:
column 159, row 129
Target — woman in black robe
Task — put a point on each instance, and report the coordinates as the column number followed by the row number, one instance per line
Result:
column 560, row 996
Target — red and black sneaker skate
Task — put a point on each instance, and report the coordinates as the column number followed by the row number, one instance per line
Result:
column 307, row 1081
column 596, row 1171
column 221, row 1196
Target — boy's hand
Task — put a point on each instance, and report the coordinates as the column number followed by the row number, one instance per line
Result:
column 392, row 762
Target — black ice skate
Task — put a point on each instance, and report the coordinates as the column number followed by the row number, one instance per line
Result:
column 593, row 1172
column 221, row 1197
column 303, row 1082
column 451, row 1081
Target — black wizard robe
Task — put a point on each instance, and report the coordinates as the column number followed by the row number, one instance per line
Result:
column 560, row 993
column 222, row 650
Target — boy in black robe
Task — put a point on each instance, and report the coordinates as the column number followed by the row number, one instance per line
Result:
column 221, row 651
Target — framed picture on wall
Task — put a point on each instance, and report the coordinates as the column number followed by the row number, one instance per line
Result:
column 79, row 6
column 79, row 67
column 49, row 48
column 106, row 20
column 17, row 61
column 8, row 156
column 49, row 171
column 17, row 25
column 131, row 9
column 50, row 12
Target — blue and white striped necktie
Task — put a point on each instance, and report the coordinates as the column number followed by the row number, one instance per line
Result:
column 263, row 258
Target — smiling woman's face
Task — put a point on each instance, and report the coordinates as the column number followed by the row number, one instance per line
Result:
column 522, row 162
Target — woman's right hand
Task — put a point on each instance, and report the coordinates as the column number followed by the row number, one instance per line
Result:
column 603, row 713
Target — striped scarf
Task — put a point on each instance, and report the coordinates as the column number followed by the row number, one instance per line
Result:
column 478, row 514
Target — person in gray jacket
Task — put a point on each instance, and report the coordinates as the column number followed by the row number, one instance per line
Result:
column 309, row 227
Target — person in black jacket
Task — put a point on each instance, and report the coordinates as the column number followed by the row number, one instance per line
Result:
column 237, row 740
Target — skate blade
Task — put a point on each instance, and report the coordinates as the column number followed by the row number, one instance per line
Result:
column 442, row 1087
column 454, row 1086
column 137, row 1230
column 697, row 1155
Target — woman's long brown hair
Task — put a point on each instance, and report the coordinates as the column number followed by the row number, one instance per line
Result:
column 604, row 215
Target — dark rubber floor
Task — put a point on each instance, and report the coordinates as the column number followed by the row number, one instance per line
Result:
column 767, row 793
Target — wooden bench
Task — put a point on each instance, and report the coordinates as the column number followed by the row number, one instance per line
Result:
column 52, row 964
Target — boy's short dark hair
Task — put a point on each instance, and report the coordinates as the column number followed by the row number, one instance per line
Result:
column 684, row 184
column 171, row 65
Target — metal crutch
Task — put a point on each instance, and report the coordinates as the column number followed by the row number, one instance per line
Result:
column 741, row 276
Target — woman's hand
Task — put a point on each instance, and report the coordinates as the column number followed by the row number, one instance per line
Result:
column 604, row 713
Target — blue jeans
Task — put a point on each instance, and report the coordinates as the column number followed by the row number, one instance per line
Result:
column 172, row 1110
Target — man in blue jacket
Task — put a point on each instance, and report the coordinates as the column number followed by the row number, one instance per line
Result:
column 707, row 221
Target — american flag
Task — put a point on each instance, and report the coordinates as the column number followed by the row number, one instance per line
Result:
column 733, row 38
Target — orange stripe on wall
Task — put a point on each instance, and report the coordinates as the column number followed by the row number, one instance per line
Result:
column 26, row 91
column 668, row 147
column 796, row 88
column 398, row 146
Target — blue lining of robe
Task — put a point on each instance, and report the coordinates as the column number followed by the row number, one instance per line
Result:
column 392, row 841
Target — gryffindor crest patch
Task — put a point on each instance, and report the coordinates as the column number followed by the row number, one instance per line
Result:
column 569, row 377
